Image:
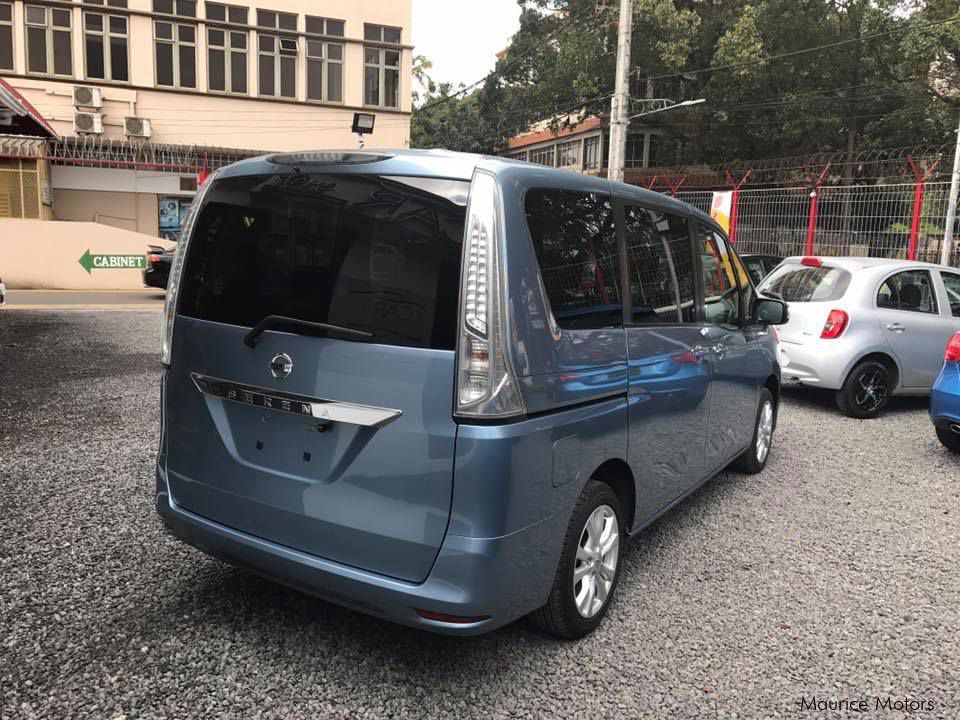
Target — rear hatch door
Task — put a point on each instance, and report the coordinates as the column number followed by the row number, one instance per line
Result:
column 327, row 442
column 811, row 291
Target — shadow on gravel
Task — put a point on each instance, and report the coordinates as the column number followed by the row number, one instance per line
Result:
column 826, row 401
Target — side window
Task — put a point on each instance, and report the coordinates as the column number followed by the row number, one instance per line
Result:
column 576, row 246
column 721, row 296
column 952, row 282
column 661, row 266
column 747, row 294
column 911, row 290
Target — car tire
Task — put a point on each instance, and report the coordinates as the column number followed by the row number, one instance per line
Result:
column 754, row 459
column 866, row 392
column 562, row 615
column 950, row 440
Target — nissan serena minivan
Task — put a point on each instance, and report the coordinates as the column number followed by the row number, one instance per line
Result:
column 444, row 389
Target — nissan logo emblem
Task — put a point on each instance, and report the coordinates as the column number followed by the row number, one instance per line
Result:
column 281, row 366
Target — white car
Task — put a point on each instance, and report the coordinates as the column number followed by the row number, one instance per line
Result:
column 867, row 328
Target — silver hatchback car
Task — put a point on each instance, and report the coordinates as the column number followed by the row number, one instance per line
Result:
column 867, row 328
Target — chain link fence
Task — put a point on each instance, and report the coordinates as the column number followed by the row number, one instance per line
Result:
column 19, row 188
column 860, row 220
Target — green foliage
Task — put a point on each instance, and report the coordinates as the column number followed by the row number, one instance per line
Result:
column 765, row 95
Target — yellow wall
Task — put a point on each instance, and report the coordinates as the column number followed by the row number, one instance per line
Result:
column 244, row 122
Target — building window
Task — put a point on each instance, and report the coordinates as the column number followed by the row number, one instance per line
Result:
column 49, row 40
column 105, row 46
column 6, row 36
column 175, row 54
column 108, row 3
column 226, row 61
column 324, row 71
column 324, row 26
column 276, row 20
column 382, row 34
column 381, row 77
column 544, row 156
column 277, row 65
column 182, row 8
column 591, row 153
column 518, row 155
column 568, row 154
column 233, row 14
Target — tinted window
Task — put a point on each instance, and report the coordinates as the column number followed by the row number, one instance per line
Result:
column 799, row 283
column 911, row 290
column 721, row 296
column 661, row 266
column 952, row 283
column 575, row 243
column 370, row 253
column 755, row 266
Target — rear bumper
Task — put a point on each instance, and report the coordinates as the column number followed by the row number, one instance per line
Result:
column 155, row 278
column 817, row 363
column 945, row 397
column 472, row 577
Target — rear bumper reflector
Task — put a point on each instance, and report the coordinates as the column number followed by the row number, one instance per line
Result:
column 457, row 619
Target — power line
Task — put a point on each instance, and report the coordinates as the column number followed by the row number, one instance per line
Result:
column 804, row 51
column 511, row 62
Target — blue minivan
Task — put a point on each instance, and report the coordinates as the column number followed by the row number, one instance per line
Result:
column 442, row 388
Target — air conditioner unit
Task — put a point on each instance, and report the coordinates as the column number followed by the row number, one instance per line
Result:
column 137, row 127
column 87, row 97
column 88, row 123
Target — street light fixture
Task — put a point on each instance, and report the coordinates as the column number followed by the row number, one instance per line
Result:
column 659, row 105
column 363, row 125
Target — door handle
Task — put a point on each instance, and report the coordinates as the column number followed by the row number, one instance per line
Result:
column 896, row 327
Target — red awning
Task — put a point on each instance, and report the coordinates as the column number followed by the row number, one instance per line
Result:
column 26, row 120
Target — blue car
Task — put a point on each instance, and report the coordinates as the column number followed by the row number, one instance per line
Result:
column 945, row 399
column 443, row 389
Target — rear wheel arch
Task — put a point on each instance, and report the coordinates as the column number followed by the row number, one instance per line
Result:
column 884, row 359
column 617, row 474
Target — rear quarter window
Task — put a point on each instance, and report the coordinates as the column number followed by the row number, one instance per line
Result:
column 799, row 283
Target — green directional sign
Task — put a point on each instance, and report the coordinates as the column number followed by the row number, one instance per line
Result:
column 89, row 262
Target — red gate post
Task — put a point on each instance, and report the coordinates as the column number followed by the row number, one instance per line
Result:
column 918, row 189
column 734, row 202
column 814, row 202
column 653, row 181
column 674, row 187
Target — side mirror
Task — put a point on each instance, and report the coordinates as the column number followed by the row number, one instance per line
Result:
column 769, row 311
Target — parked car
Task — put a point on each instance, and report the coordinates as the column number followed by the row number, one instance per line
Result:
column 157, row 272
column 867, row 328
column 407, row 383
column 759, row 266
column 3, row 292
column 945, row 398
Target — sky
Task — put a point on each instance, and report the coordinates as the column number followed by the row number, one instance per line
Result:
column 463, row 38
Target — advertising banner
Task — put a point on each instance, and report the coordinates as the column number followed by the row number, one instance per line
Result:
column 720, row 208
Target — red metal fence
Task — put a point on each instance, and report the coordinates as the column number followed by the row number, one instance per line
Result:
column 870, row 220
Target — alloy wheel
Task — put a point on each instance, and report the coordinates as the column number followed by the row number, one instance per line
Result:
column 871, row 390
column 764, row 431
column 596, row 562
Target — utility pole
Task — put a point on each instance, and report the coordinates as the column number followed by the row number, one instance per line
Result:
column 947, row 248
column 620, row 104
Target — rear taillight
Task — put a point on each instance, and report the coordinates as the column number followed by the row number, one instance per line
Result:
column 153, row 258
column 953, row 349
column 836, row 323
column 173, row 281
column 485, row 382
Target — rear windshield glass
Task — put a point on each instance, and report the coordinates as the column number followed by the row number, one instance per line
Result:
column 799, row 283
column 379, row 254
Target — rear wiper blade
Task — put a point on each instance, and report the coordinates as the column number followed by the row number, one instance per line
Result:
column 251, row 338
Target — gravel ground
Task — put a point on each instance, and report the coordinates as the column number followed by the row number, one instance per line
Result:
column 832, row 574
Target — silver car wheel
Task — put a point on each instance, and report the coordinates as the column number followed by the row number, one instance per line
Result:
column 872, row 390
column 596, row 563
column 764, row 431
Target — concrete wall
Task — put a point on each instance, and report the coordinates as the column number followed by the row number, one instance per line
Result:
column 46, row 254
column 202, row 117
